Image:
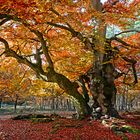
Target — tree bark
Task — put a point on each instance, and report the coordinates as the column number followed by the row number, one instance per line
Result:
column 109, row 90
column 71, row 89
column 102, row 86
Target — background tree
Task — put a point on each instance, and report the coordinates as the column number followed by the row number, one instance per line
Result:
column 14, row 82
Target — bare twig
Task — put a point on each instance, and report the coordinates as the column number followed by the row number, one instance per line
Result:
column 123, row 32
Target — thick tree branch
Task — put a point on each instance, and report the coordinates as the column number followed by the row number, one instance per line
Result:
column 74, row 33
column 3, row 16
column 44, row 47
column 3, row 21
column 10, row 53
column 2, row 53
column 67, row 27
column 5, row 43
column 84, row 89
column 38, row 34
column 61, row 26
column 38, row 59
column 120, row 41
column 132, row 62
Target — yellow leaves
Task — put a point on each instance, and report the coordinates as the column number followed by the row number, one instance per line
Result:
column 13, row 78
column 68, row 55
column 121, row 14
column 44, row 89
column 137, row 86
column 43, row 5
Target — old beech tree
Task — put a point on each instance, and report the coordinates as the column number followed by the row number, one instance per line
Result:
column 41, row 33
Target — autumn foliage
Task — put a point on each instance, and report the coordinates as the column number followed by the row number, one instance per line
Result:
column 61, row 40
column 84, row 49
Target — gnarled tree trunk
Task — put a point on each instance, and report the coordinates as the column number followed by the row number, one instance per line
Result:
column 102, row 86
column 102, row 75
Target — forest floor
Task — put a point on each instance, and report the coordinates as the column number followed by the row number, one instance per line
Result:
column 69, row 129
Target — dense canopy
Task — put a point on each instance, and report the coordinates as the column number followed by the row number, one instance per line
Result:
column 82, row 45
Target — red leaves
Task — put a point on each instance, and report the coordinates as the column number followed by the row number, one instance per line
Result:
column 67, row 129
column 64, row 129
column 52, row 33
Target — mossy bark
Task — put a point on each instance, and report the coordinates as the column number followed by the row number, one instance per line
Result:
column 102, row 84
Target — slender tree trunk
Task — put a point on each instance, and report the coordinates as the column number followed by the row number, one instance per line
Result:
column 0, row 102
column 57, row 103
column 52, row 104
column 15, row 105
